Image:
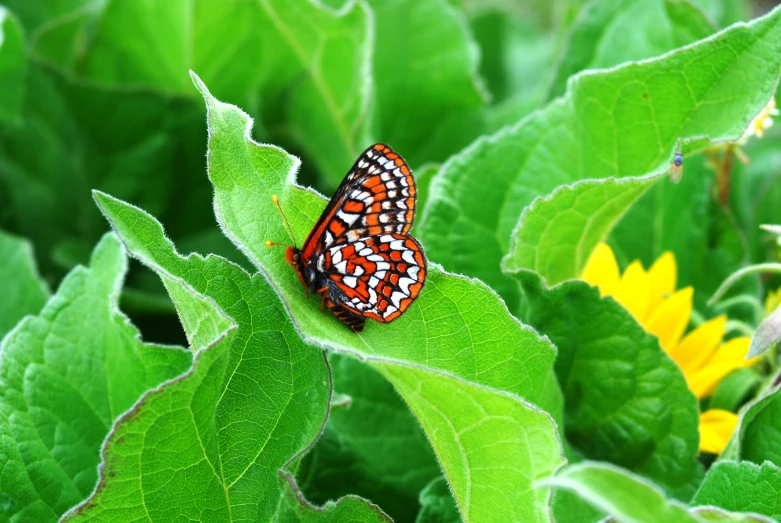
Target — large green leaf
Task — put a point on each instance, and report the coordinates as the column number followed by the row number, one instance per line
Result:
column 13, row 66
column 22, row 289
column 742, row 487
column 372, row 447
column 629, row 498
column 618, row 123
column 66, row 375
column 424, row 70
column 475, row 431
column 457, row 325
column 309, row 66
column 252, row 402
column 599, row 37
column 625, row 400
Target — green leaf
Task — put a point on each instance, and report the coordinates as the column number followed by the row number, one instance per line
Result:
column 437, row 504
column 13, row 67
column 599, row 37
column 493, row 447
column 373, row 447
column 556, row 234
column 251, row 404
column 630, row 498
column 618, row 123
column 345, row 509
column 309, row 65
column 742, row 487
column 625, row 401
column 457, row 325
column 425, row 66
column 759, row 437
column 735, row 389
column 21, row 287
column 66, row 375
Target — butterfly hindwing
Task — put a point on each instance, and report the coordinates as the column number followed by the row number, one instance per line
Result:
column 378, row 276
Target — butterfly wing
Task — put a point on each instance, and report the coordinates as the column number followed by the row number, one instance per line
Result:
column 378, row 276
column 377, row 196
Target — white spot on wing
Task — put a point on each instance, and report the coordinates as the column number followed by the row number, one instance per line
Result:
column 413, row 272
column 404, row 284
column 383, row 266
column 386, row 238
column 397, row 245
column 409, row 257
column 366, row 252
column 373, row 281
column 396, row 298
column 347, row 218
column 341, row 267
column 329, row 238
column 350, row 281
column 358, row 270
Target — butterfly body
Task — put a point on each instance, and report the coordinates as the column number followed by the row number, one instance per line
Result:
column 358, row 256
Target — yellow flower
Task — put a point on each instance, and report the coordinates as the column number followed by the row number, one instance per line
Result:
column 650, row 296
column 761, row 122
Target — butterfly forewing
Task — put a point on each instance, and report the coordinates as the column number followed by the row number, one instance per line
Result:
column 380, row 276
column 377, row 196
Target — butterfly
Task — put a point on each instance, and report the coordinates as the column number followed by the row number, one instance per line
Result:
column 359, row 256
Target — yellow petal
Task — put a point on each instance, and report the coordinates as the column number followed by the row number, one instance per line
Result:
column 730, row 356
column 716, row 428
column 670, row 319
column 734, row 350
column 602, row 269
column 663, row 274
column 634, row 290
column 699, row 345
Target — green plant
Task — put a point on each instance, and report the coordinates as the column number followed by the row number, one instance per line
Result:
column 510, row 390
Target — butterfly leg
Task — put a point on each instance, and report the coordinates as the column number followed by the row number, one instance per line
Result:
column 324, row 292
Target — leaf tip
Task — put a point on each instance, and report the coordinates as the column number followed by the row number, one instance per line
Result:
column 200, row 86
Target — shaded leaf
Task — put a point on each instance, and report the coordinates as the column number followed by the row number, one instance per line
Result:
column 625, row 400
column 372, row 447
column 599, row 37
column 759, row 433
column 13, row 66
column 424, row 71
column 21, row 287
column 310, row 64
column 437, row 504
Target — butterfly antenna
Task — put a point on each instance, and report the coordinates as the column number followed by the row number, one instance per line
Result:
column 287, row 224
